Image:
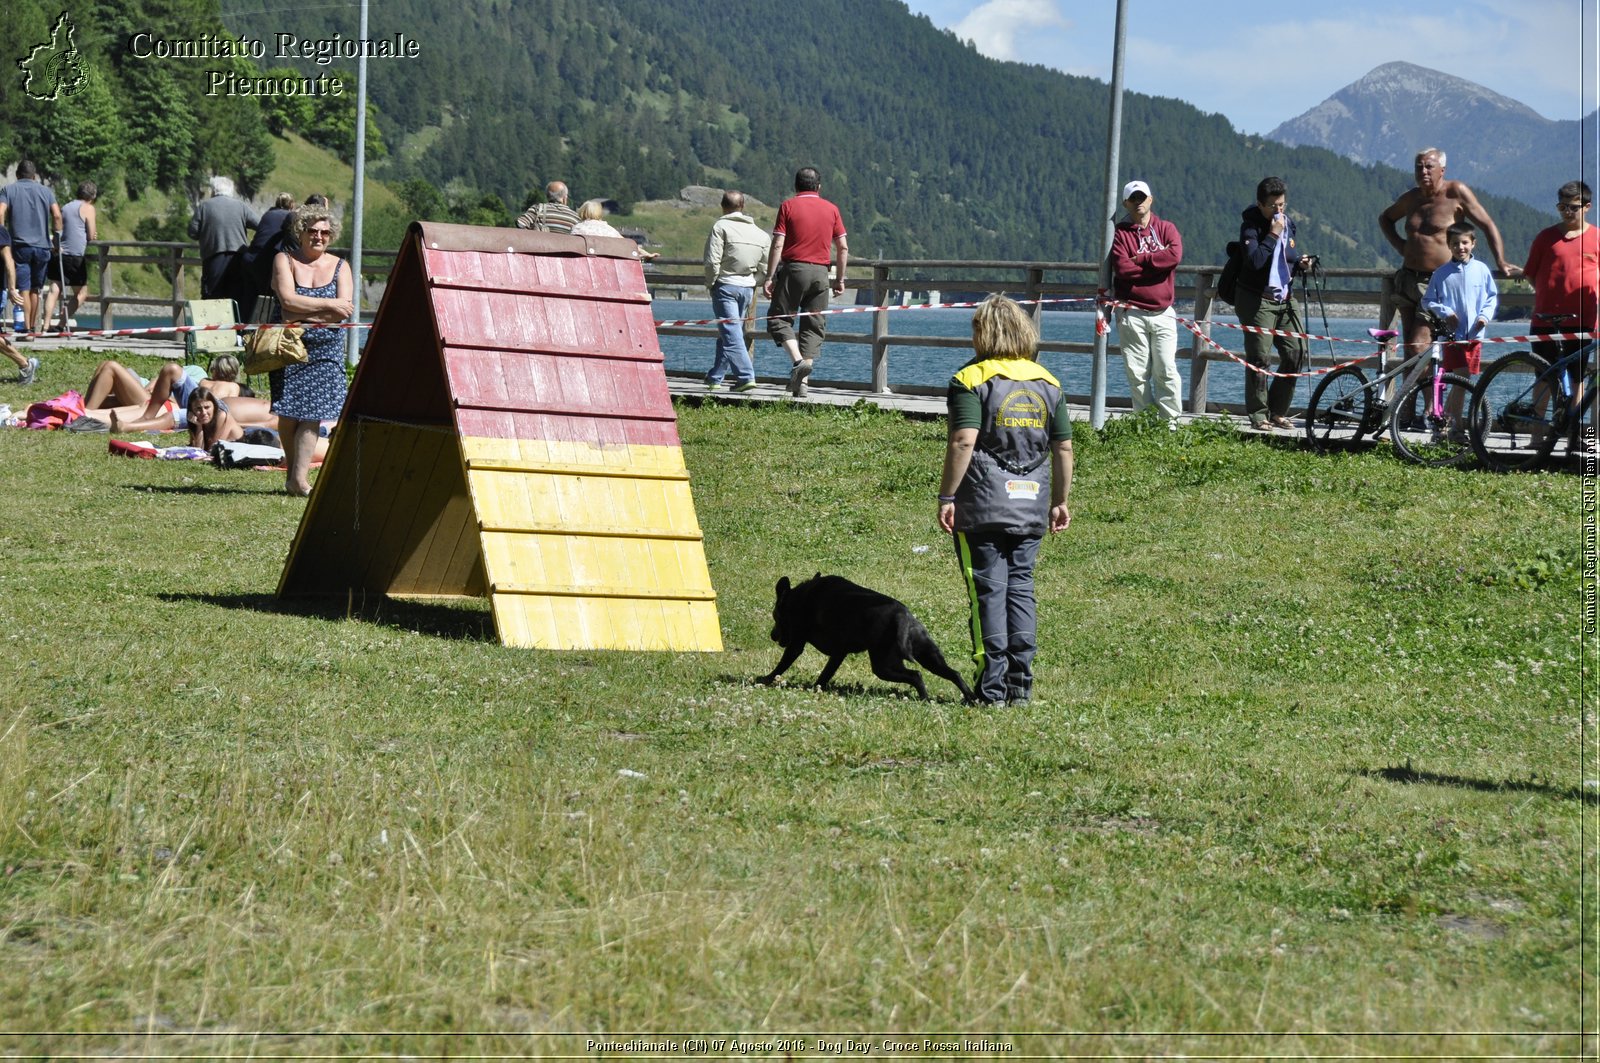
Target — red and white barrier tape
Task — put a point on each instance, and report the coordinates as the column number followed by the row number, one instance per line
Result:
column 873, row 310
column 1102, row 305
column 1194, row 327
column 179, row 329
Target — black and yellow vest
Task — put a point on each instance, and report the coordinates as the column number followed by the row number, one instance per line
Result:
column 1007, row 486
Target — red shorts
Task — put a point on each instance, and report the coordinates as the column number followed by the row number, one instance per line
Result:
column 1463, row 355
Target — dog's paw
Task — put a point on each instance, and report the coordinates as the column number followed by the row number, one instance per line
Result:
column 767, row 680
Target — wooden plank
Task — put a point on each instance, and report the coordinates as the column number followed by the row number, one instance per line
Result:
column 570, row 469
column 406, row 496
column 610, row 567
column 597, row 504
column 603, row 458
column 578, row 623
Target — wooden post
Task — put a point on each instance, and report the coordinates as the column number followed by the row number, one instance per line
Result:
column 880, row 329
column 177, row 284
column 749, row 323
column 1035, row 280
column 1387, row 308
column 105, row 286
column 1199, row 363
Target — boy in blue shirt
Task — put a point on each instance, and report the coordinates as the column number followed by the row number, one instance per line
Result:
column 1462, row 292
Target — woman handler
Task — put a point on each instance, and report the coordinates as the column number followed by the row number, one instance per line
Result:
column 1007, row 419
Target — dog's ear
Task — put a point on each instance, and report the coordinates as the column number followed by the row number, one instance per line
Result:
column 817, row 576
column 783, row 586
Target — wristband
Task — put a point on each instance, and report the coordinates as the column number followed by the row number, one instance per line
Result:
column 947, row 498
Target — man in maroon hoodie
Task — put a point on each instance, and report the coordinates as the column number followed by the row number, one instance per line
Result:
column 1145, row 252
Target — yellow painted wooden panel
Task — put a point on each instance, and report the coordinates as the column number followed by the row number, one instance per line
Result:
column 556, row 452
column 604, row 504
column 572, row 564
column 563, row 623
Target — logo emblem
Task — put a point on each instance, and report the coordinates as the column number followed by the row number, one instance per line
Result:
column 55, row 69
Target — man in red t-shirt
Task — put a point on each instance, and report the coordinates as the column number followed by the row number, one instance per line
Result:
column 807, row 227
column 1564, row 268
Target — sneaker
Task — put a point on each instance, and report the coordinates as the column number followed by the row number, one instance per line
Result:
column 798, row 377
column 87, row 424
column 713, row 387
column 748, row 385
column 28, row 373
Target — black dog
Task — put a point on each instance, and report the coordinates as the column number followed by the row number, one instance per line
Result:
column 840, row 618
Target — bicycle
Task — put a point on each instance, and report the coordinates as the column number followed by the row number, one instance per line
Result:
column 1524, row 404
column 1347, row 406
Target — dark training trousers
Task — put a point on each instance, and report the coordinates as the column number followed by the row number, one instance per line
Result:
column 800, row 287
column 998, row 571
column 1264, row 394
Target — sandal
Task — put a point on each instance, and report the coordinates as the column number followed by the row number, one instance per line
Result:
column 1282, row 422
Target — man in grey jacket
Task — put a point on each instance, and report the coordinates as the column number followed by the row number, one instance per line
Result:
column 735, row 261
column 219, row 224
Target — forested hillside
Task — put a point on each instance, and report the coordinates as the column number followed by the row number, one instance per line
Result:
column 929, row 148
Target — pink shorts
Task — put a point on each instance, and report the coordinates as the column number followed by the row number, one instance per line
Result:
column 1467, row 355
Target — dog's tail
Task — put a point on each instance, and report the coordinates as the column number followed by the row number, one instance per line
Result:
column 920, row 647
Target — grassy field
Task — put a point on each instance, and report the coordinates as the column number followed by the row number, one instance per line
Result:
column 1305, row 773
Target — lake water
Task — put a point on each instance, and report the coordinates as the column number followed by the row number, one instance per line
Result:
column 932, row 366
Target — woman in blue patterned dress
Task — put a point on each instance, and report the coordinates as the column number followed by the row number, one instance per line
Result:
column 312, row 286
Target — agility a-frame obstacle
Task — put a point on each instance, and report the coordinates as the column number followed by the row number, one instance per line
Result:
column 509, row 433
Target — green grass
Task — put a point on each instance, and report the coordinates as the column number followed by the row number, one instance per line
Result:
column 1303, row 774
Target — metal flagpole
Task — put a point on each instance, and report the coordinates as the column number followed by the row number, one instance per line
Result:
column 353, row 336
column 1097, row 385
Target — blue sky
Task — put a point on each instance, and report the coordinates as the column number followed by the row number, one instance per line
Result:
column 1219, row 56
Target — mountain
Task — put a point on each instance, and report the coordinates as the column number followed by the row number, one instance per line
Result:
column 929, row 148
column 1492, row 142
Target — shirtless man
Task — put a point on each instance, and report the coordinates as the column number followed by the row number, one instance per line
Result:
column 1429, row 210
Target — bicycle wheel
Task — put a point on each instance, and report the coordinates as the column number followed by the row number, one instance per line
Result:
column 1438, row 435
column 1512, row 423
column 1341, row 409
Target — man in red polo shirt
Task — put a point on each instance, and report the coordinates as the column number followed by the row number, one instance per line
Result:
column 807, row 227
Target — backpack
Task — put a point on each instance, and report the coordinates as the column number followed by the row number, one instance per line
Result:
column 1228, row 281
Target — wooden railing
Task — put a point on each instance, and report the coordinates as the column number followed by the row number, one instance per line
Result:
column 181, row 260
column 1036, row 280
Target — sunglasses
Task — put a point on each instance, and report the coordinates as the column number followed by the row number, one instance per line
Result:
column 326, row 234
column 1571, row 208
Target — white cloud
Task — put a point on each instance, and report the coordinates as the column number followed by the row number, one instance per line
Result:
column 995, row 26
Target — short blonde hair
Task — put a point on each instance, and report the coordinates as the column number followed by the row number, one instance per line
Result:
column 223, row 367
column 592, row 210
column 1002, row 329
column 306, row 216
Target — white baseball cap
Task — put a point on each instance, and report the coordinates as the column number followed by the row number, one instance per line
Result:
column 1134, row 186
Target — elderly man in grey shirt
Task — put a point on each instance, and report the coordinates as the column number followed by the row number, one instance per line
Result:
column 735, row 259
column 219, row 223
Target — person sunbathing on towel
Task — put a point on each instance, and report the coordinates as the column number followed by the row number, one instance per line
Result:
column 210, row 419
column 244, row 410
column 116, row 387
